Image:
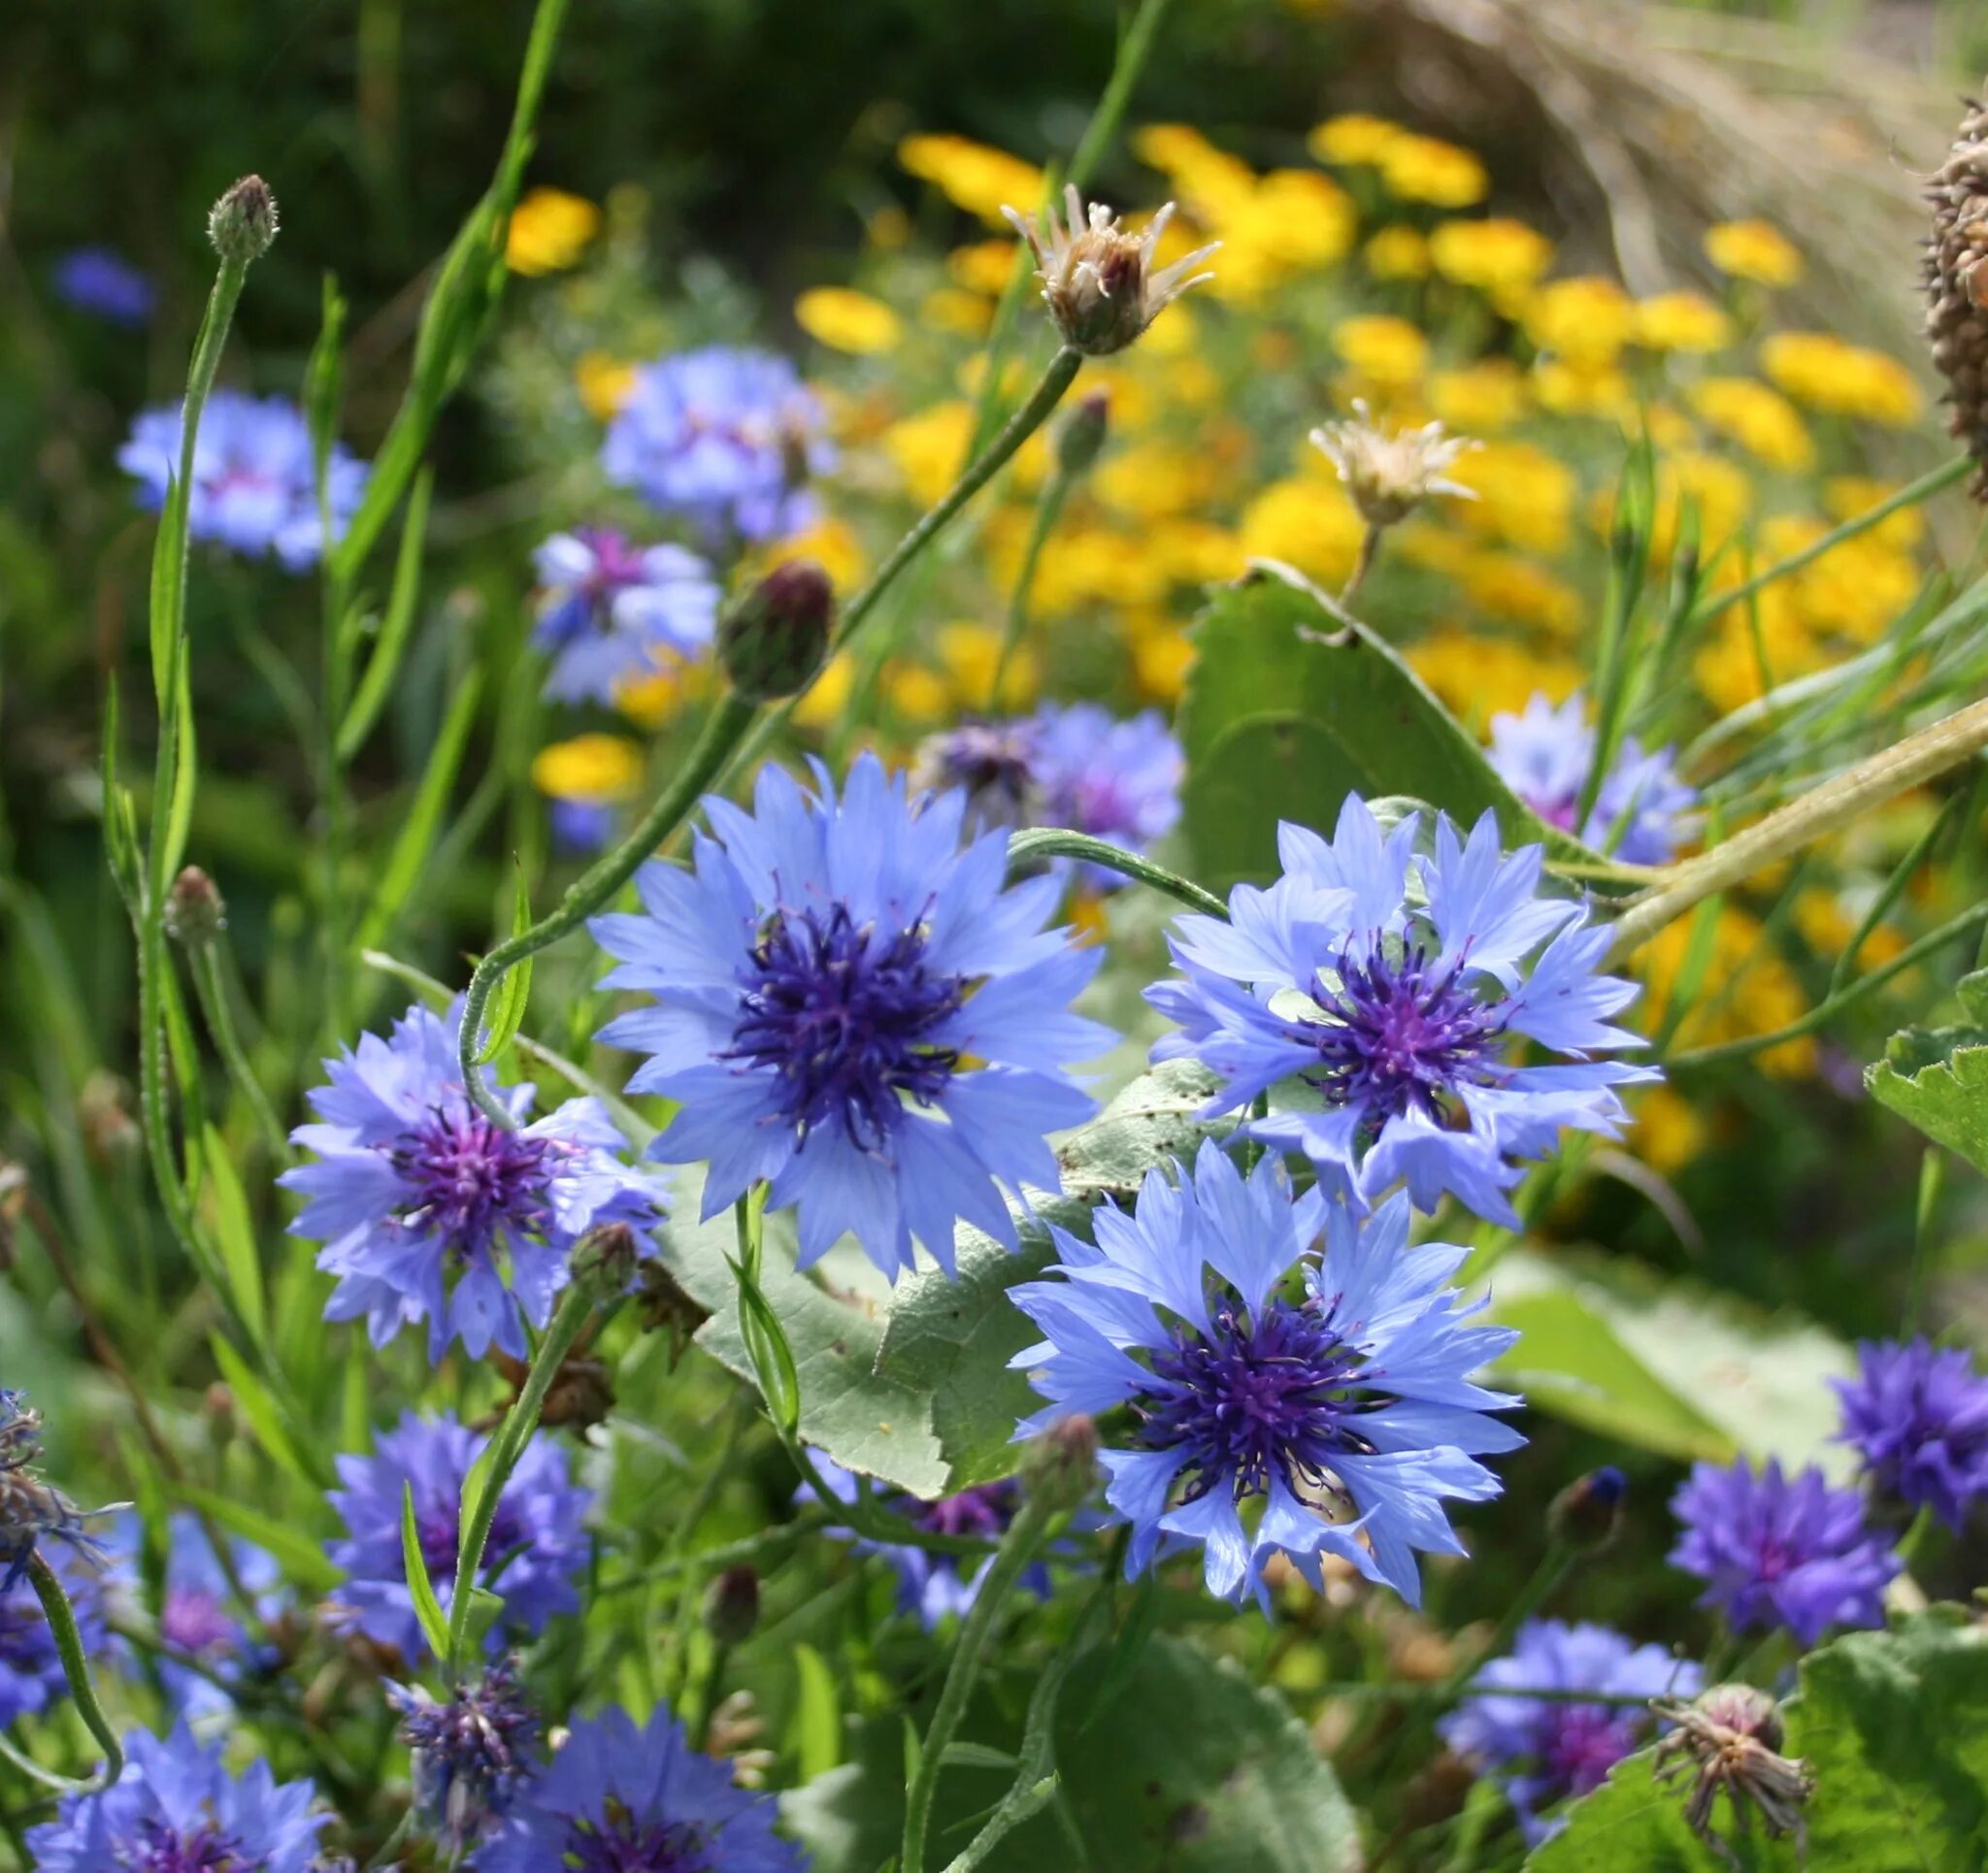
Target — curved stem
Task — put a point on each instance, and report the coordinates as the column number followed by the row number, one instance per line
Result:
column 1057, row 843
column 76, row 1669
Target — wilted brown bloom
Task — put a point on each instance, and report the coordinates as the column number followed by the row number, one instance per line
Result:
column 1957, row 286
column 1728, row 1738
column 1098, row 280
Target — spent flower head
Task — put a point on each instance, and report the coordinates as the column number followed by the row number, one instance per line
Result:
column 471, row 1752
column 1729, row 1740
column 1917, row 1413
column 31, row 1506
column 1098, row 282
column 612, row 613
column 1390, row 472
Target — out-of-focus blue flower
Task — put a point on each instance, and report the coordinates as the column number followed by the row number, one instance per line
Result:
column 1401, row 1013
column 1345, row 1418
column 1918, row 1416
column 935, row 1586
column 822, row 973
column 726, row 438
column 1542, row 1751
column 254, row 486
column 1116, row 781
column 102, row 281
column 31, row 1675
column 413, row 1188
column 175, row 1809
column 993, row 764
column 471, row 1755
column 198, row 1614
column 1640, row 811
column 1777, row 1550
column 618, row 1800
column 536, row 1548
column 581, row 827
column 31, row 1506
column 611, row 611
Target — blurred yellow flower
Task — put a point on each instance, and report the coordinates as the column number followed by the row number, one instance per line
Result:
column 1827, row 927
column 550, row 230
column 1748, row 989
column 1855, row 590
column 846, row 320
column 595, row 768
column 951, row 309
column 652, row 701
column 1154, row 481
column 1754, row 646
column 1478, row 399
column 1160, row 662
column 984, row 266
column 1397, row 253
column 1843, row 379
column 972, row 176
column 1681, row 323
column 1846, row 497
column 823, row 704
column 1478, row 677
column 1425, row 169
column 602, row 382
column 1496, row 255
column 1583, row 391
column 1669, row 1130
column 1308, row 522
column 1586, row 320
column 1525, row 496
column 922, row 696
column 1196, row 552
column 930, row 449
column 832, row 545
column 1295, row 221
column 888, row 228
column 1191, row 383
column 1385, row 352
column 1084, row 566
column 967, row 653
column 1753, row 250
column 1761, row 421
column 1716, row 490
column 1507, row 587
column 1353, row 139
column 1210, row 183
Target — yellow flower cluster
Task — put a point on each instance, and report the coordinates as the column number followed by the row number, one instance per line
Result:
column 550, row 230
column 1841, row 379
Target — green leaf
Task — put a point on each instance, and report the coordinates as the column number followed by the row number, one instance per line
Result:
column 1937, row 1078
column 391, row 647
column 234, row 1232
column 814, row 1731
column 302, row 1560
column 417, row 832
column 507, row 1006
column 265, row 1417
column 1286, row 713
column 427, row 1608
column 773, row 1357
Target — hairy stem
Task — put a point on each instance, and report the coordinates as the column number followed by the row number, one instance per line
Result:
column 83, row 1690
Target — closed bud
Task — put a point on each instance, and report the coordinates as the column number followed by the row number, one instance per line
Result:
column 605, row 1261
column 731, row 1605
column 1082, row 435
column 1587, row 1513
column 194, row 911
column 1059, row 1467
column 243, row 224
column 774, row 640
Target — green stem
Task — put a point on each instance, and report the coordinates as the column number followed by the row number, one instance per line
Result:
column 211, row 989
column 76, row 1669
column 1017, row 1549
column 1369, row 551
column 1048, row 510
column 1057, row 843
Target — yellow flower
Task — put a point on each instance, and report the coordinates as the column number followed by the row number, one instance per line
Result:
column 1847, row 496
column 846, row 320
column 930, row 449
column 1496, row 255
column 1424, row 169
column 967, row 653
column 888, row 228
column 1084, row 566
column 1525, row 497
column 1748, row 989
column 1211, row 183
column 824, row 702
column 1717, row 490
column 597, row 767
column 918, row 694
column 1291, row 222
column 1753, row 250
column 1669, row 1130
column 1737, row 667
column 1155, row 481
column 1162, row 655
column 832, row 545
column 1397, row 253
column 1843, row 379
column 1478, row 399
column 1191, row 383
column 982, row 266
column 1353, row 139
column 1386, row 351
column 1856, row 590
column 972, row 176
column 1583, row 391
column 550, row 230
column 1307, row 522
column 950, row 308
column 1827, row 927
column 1761, row 421
column 659, row 697
column 1196, row 552
column 604, row 383
column 1507, row 587
column 1585, row 321
column 1478, row 677
column 1681, row 323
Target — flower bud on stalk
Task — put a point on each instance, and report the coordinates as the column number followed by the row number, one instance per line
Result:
column 773, row 641
column 194, row 911
column 731, row 1605
column 1957, row 286
column 605, row 1261
column 1389, row 475
column 1059, row 1467
column 1081, row 437
column 243, row 224
column 1587, row 1514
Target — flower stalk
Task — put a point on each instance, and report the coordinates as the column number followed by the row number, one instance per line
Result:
column 61, row 1620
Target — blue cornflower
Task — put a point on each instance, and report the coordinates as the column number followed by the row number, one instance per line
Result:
column 725, row 436
column 1116, row 781
column 31, row 1506
column 31, row 1674
column 102, row 281
column 618, row 1800
column 1640, row 811
column 413, row 1186
column 1542, row 1751
column 1918, row 1416
column 1400, row 1010
column 198, row 1615
column 1339, row 1421
column 823, row 972
column 255, row 484
column 175, row 1809
column 936, row 1586
column 1777, row 1550
column 536, row 1543
column 993, row 764
column 612, row 612
column 470, row 1754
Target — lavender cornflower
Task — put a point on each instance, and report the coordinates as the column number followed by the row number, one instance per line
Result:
column 31, row 1674
column 1341, row 1420
column 618, row 1800
column 255, row 487
column 613, row 612
column 471, row 1755
column 1542, row 1751
column 1918, row 1416
column 175, row 1809
column 1543, row 756
column 824, row 973
column 725, row 436
column 993, row 764
column 413, row 1186
column 102, row 281
column 536, row 1543
column 31, row 1507
column 1400, row 1013
column 198, row 1616
column 935, row 1586
column 1777, row 1550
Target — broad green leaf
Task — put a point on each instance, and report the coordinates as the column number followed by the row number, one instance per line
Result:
column 234, row 1232
column 255, row 1404
column 508, row 1006
column 1286, row 713
column 814, row 1731
column 1937, row 1078
column 427, row 1608
column 303, row 1560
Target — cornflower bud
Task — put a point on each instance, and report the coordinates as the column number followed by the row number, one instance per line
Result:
column 605, row 1261
column 194, row 911
column 1957, row 285
column 774, row 640
column 1059, row 1466
column 1082, row 434
column 1588, row 1512
column 731, row 1605
column 1097, row 280
column 243, row 224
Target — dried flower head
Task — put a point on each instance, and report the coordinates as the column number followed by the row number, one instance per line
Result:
column 1730, row 1738
column 1956, row 287
column 1390, row 474
column 30, row 1507
column 1099, row 280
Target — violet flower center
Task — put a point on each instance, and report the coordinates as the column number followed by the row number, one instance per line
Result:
column 468, row 1179
column 1402, row 1032
column 164, row 1849
column 630, row 1846
column 195, row 1621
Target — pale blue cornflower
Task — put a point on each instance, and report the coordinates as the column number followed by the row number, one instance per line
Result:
column 613, row 612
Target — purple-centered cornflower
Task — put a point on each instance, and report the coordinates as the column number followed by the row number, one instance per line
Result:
column 824, row 972
column 935, row 1586
column 1116, row 781
column 198, row 1615
column 470, row 1754
column 1641, row 810
column 31, row 1674
column 1334, row 1421
column 428, row 1211
column 101, row 281
column 255, row 487
column 612, row 612
column 1917, row 1413
column 175, row 1809
column 618, row 1800
column 536, row 1548
column 1542, row 1751
column 1777, row 1550
column 725, row 436
column 993, row 764
column 1401, row 1012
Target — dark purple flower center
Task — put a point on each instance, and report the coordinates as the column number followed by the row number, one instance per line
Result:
column 195, row 1621
column 1255, row 1401
column 622, row 1844
column 1584, row 1742
column 468, row 1178
column 993, row 764
column 164, row 1849
column 1402, row 1032
column 470, row 1754
column 844, row 1015
column 984, row 1512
